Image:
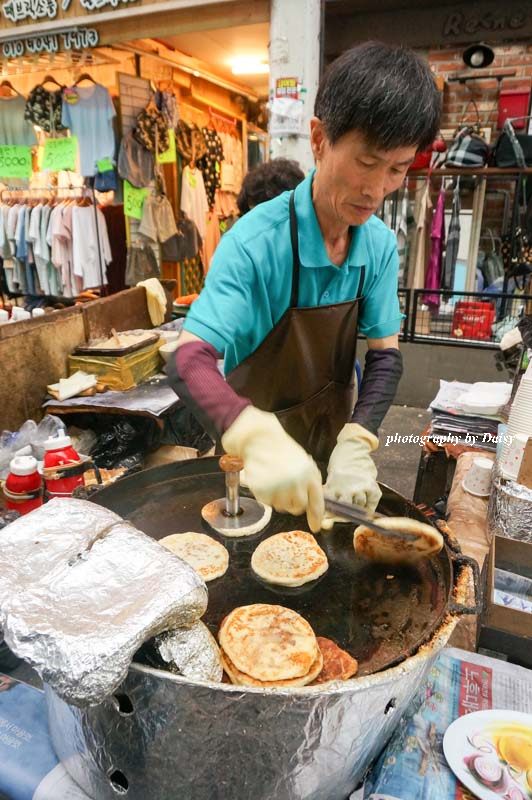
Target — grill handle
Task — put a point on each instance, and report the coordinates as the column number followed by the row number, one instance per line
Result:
column 232, row 466
column 460, row 560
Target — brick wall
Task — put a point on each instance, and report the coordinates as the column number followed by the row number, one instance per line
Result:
column 509, row 57
column 445, row 62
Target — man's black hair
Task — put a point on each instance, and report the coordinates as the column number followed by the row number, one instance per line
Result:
column 387, row 93
column 266, row 181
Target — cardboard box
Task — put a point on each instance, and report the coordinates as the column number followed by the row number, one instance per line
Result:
column 507, row 630
column 423, row 319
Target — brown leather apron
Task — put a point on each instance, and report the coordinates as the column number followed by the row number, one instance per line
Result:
column 304, row 369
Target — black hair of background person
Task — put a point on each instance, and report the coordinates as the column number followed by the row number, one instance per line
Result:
column 268, row 180
column 388, row 93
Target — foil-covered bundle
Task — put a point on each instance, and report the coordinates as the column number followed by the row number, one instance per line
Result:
column 510, row 510
column 81, row 590
column 190, row 651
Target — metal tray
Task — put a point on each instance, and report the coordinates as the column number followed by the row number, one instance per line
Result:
column 87, row 350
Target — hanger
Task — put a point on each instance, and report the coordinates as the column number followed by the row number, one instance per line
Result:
column 50, row 79
column 152, row 106
column 84, row 77
column 8, row 85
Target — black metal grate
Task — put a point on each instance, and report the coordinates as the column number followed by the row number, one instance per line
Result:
column 463, row 319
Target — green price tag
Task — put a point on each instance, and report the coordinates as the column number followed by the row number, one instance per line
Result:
column 60, row 154
column 15, row 161
column 169, row 156
column 133, row 200
column 105, row 165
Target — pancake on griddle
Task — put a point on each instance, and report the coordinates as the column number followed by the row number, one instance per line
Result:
column 289, row 559
column 208, row 557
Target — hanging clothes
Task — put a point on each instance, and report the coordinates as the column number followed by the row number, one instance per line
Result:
column 116, row 228
column 141, row 264
column 158, row 221
column 453, row 241
column 186, row 244
column 212, row 239
column 44, row 108
column 14, row 127
column 91, row 250
column 167, row 104
column 22, row 252
column 194, row 198
column 135, row 163
column 401, row 231
column 422, row 238
column 90, row 118
column 151, row 130
column 434, row 268
column 210, row 164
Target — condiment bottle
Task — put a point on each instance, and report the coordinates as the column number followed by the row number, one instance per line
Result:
column 63, row 468
column 23, row 486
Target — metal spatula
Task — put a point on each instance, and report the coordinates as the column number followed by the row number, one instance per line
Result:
column 361, row 517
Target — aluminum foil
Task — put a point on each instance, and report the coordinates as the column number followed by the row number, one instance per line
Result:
column 510, row 510
column 177, row 739
column 192, row 652
column 80, row 591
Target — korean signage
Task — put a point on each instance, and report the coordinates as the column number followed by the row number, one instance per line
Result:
column 60, row 154
column 26, row 10
column 15, row 161
column 79, row 39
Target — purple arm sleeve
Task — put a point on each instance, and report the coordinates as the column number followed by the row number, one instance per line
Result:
column 194, row 376
column 382, row 373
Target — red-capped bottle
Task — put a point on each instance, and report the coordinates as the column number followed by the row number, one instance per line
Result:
column 23, row 486
column 63, row 468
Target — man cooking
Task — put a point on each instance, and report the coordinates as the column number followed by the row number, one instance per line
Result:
column 295, row 280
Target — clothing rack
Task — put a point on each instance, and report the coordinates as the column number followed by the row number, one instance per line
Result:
column 85, row 192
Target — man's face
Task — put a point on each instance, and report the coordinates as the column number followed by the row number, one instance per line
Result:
column 353, row 176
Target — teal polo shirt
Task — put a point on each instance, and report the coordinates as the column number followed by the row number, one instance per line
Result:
column 247, row 289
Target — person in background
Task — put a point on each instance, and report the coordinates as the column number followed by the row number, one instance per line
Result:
column 294, row 281
column 266, row 181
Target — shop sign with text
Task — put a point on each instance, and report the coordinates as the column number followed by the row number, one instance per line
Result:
column 472, row 23
column 26, row 10
column 79, row 39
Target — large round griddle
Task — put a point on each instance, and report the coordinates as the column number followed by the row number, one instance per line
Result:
column 379, row 614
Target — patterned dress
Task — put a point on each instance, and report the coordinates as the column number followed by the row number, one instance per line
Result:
column 210, row 164
column 43, row 108
column 151, row 130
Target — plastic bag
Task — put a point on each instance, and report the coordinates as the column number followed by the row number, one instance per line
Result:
column 30, row 438
column 125, row 442
column 83, row 441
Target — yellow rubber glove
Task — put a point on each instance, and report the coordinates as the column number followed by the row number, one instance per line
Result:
column 279, row 471
column 156, row 300
column 352, row 474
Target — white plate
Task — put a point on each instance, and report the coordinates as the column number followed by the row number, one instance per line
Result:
column 484, row 734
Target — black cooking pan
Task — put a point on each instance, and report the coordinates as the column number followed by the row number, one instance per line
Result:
column 378, row 613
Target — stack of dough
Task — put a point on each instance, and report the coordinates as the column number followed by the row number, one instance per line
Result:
column 269, row 646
